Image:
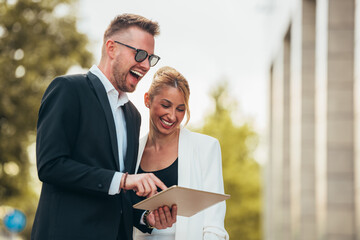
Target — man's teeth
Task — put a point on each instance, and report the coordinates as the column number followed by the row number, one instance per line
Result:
column 166, row 123
column 136, row 73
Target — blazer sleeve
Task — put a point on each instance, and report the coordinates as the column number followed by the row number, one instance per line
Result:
column 210, row 154
column 137, row 214
column 58, row 123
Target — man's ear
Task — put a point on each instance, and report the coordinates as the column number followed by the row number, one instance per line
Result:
column 110, row 48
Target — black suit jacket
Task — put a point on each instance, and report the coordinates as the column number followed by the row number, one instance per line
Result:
column 77, row 156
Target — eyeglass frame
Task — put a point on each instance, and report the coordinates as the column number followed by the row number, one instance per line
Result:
column 139, row 50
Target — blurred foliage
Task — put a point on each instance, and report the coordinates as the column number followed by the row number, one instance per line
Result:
column 36, row 44
column 241, row 172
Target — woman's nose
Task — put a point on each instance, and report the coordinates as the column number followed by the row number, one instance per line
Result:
column 172, row 115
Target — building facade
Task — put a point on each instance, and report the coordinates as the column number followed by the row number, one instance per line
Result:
column 312, row 176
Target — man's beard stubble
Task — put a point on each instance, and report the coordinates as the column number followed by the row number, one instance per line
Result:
column 120, row 80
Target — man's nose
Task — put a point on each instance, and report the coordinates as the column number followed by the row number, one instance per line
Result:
column 145, row 64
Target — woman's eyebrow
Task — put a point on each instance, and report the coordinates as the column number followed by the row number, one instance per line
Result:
column 164, row 99
column 168, row 101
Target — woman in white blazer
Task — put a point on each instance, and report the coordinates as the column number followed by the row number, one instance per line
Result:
column 179, row 156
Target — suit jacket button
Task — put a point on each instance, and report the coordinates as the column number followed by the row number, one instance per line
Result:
column 100, row 185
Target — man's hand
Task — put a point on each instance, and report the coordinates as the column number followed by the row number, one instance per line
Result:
column 144, row 184
column 163, row 217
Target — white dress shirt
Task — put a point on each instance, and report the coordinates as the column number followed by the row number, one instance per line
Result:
column 116, row 101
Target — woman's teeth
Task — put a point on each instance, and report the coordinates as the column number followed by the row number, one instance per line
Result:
column 166, row 123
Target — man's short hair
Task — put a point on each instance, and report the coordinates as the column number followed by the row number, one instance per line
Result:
column 127, row 20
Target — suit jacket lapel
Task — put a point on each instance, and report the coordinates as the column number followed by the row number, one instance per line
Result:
column 104, row 101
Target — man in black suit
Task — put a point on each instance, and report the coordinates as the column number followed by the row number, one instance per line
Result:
column 87, row 143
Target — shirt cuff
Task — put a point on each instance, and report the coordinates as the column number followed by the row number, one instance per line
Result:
column 142, row 219
column 115, row 183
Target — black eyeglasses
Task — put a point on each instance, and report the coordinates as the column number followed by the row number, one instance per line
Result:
column 141, row 55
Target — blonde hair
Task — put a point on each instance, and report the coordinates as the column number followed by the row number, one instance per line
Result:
column 170, row 77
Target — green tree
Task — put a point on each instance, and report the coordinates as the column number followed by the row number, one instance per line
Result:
column 241, row 172
column 36, row 45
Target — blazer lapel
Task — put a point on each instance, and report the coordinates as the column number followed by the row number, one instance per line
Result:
column 104, row 101
column 142, row 145
column 185, row 153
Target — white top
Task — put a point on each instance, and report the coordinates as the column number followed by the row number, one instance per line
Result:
column 116, row 102
column 199, row 167
column 163, row 234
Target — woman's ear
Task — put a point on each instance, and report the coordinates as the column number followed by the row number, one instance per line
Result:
column 147, row 100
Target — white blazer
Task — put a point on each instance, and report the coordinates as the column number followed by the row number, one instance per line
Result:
column 199, row 167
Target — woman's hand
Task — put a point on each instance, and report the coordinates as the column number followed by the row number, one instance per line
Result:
column 163, row 217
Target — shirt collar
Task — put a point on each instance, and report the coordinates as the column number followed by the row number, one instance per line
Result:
column 108, row 86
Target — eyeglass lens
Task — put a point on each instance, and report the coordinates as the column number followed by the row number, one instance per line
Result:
column 153, row 60
column 141, row 55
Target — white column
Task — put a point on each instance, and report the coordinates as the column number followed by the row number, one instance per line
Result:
column 295, row 120
column 357, row 117
column 268, row 199
column 276, row 145
column 307, row 163
column 302, row 122
column 286, row 177
column 279, row 167
column 335, row 119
